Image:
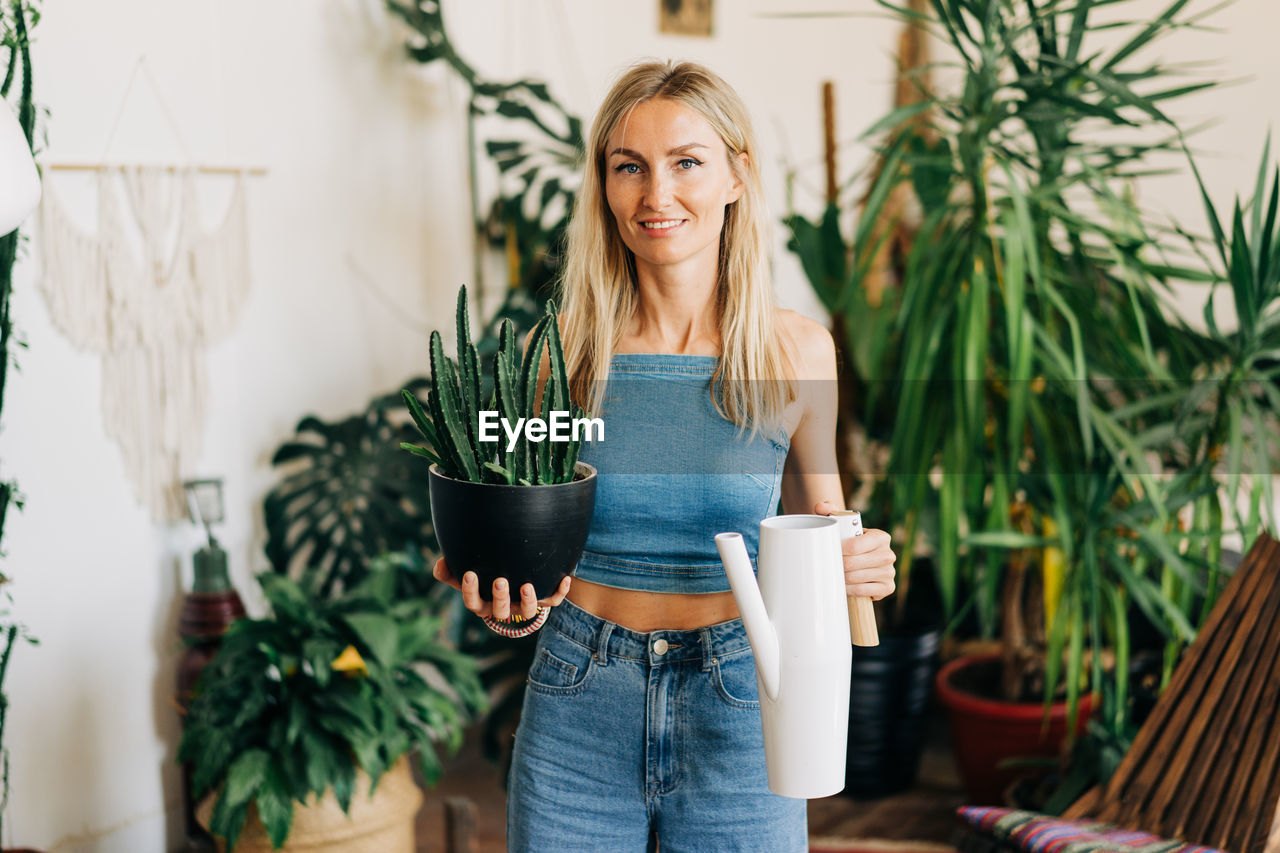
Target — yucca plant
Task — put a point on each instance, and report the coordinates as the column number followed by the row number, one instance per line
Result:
column 1226, row 424
column 1235, row 395
column 454, row 399
column 1035, row 368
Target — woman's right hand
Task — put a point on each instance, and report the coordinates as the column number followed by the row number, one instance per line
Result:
column 501, row 607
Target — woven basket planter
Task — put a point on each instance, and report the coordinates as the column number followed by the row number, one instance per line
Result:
column 383, row 824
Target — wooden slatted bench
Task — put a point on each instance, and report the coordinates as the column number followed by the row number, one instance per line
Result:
column 1205, row 766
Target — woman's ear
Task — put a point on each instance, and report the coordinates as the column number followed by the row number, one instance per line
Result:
column 737, row 171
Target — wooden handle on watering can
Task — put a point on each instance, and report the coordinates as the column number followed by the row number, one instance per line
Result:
column 862, row 613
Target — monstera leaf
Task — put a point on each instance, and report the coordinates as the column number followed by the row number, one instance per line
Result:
column 348, row 495
column 534, row 142
column 540, row 167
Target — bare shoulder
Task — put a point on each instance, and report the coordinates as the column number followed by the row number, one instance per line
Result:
column 812, row 343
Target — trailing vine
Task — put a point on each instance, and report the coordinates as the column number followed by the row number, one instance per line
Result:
column 15, row 58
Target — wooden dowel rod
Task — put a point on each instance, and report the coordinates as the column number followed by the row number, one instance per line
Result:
column 207, row 170
column 829, row 138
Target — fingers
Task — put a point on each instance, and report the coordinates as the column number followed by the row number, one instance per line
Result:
column 528, row 601
column 471, row 596
column 502, row 606
column 441, row 572
column 559, row 594
column 824, row 508
column 870, row 583
column 869, row 565
column 871, row 541
column 869, row 551
column 501, row 599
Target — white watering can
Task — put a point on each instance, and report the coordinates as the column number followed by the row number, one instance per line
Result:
column 797, row 620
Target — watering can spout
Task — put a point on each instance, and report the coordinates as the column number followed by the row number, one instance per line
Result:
column 760, row 630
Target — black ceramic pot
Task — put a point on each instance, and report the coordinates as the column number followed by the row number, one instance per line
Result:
column 526, row 534
column 888, row 698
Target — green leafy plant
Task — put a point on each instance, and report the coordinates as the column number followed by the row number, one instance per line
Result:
column 1230, row 420
column 294, row 703
column 1055, row 423
column 1012, row 266
column 346, row 496
column 454, row 400
column 16, row 23
column 538, row 160
column 17, row 18
column 11, row 633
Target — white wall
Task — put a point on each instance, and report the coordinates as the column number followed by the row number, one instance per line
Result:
column 365, row 153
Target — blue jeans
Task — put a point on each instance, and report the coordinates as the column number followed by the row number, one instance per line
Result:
column 628, row 738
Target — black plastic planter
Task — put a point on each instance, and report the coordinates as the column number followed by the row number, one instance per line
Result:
column 888, row 699
column 526, row 534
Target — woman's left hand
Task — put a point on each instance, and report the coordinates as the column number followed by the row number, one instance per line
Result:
column 868, row 560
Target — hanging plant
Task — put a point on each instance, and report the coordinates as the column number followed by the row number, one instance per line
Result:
column 15, row 59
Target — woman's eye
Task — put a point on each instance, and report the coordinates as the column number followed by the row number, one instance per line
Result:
column 688, row 163
column 628, row 169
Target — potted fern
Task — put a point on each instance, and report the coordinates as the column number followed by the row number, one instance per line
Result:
column 509, row 497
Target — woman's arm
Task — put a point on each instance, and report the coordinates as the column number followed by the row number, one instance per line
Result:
column 811, row 478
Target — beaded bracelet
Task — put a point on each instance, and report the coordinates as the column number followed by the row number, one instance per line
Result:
column 517, row 626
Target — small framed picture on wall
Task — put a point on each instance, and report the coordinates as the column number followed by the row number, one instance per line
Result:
column 685, row 17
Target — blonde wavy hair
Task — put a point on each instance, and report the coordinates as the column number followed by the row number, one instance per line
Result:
column 598, row 286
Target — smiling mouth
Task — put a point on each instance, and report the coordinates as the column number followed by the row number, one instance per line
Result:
column 661, row 224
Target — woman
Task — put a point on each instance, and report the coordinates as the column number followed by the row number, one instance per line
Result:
column 641, row 719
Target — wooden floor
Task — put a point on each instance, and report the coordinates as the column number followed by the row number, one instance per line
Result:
column 926, row 812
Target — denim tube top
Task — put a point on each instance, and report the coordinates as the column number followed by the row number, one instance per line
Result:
column 672, row 474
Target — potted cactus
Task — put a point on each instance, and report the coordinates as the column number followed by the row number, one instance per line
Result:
column 509, row 497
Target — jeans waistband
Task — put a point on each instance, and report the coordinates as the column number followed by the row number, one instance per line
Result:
column 611, row 640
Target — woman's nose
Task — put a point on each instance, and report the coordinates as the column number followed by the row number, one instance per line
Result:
column 657, row 196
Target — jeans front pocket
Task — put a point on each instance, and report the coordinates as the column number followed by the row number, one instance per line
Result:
column 561, row 667
column 735, row 680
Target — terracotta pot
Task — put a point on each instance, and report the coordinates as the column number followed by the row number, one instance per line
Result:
column 987, row 732
column 527, row 534
column 381, row 824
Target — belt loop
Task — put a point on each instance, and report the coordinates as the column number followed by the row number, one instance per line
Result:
column 708, row 650
column 602, row 642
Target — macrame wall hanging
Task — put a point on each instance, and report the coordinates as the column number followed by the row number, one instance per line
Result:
column 149, row 292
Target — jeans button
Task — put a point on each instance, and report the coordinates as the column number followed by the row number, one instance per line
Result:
column 660, row 647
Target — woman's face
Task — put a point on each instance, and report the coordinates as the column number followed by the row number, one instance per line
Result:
column 667, row 181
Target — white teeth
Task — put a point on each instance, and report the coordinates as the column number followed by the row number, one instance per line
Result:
column 658, row 226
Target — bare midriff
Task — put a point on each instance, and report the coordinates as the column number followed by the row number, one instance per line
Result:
column 653, row 611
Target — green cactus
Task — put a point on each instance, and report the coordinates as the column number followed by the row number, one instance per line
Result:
column 450, row 421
